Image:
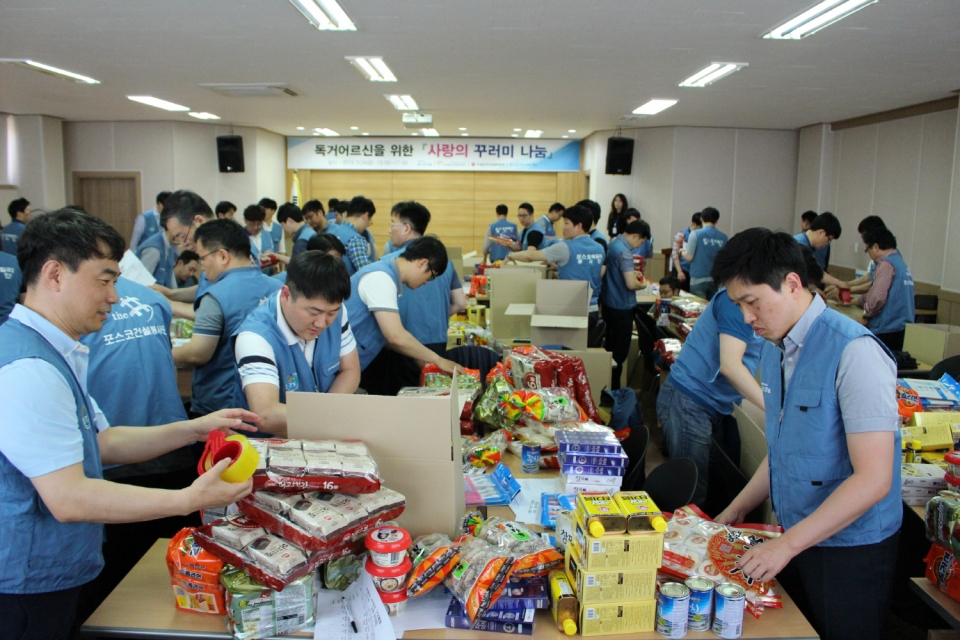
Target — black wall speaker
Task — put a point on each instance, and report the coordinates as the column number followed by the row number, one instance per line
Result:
column 230, row 154
column 619, row 156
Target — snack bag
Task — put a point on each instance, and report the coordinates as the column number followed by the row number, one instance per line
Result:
column 194, row 575
column 942, row 571
column 341, row 573
column 533, row 555
column 942, row 517
column 336, row 466
column 255, row 611
column 486, row 452
column 480, row 576
column 478, row 286
column 487, row 409
column 433, row 556
column 433, row 376
column 501, row 370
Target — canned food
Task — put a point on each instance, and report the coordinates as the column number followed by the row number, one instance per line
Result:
column 728, row 613
column 673, row 603
column 700, row 612
column 530, row 458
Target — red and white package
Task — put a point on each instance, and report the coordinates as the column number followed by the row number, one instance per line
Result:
column 943, row 571
column 333, row 466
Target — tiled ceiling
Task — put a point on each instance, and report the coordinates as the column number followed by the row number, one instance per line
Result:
column 490, row 66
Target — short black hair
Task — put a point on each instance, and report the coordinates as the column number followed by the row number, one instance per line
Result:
column 68, row 236
column 184, row 205
column 556, row 206
column 632, row 213
column 759, row 256
column 430, row 248
column 162, row 198
column 828, row 222
column 223, row 234
column 414, row 213
column 253, row 213
column 880, row 236
column 288, row 210
column 814, row 270
column 359, row 206
column 267, row 203
column 326, row 242
column 870, row 222
column 808, row 216
column 639, row 227
column 312, row 205
column 670, row 280
column 502, row 210
column 710, row 214
column 186, row 256
column 315, row 274
column 17, row 206
column 594, row 208
column 341, row 206
column 527, row 206
column 578, row 215
column 697, row 219
column 332, row 202
column 224, row 206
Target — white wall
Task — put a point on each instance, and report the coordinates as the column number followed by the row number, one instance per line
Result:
column 178, row 155
column 951, row 263
column 32, row 162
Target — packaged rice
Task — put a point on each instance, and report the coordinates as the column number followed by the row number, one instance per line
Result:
column 236, row 532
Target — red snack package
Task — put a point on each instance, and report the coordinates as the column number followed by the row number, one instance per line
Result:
column 942, row 571
column 583, row 394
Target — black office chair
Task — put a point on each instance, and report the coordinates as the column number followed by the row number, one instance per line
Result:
column 951, row 365
column 635, row 446
column 671, row 485
column 472, row 357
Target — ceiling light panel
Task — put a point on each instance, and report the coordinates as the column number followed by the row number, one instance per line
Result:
column 430, row 133
column 158, row 103
column 533, row 133
column 373, row 68
column 326, row 132
column 713, row 72
column 203, row 115
column 325, row 15
column 402, row 103
column 45, row 68
column 817, row 17
column 654, row 107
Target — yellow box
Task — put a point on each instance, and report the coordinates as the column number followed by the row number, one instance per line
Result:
column 932, row 436
column 609, row 585
column 477, row 314
column 610, row 618
column 623, row 551
column 931, row 418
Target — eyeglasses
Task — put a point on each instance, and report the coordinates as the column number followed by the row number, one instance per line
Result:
column 433, row 276
column 524, row 215
column 398, row 224
column 204, row 256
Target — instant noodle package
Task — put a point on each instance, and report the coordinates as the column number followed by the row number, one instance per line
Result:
column 194, row 575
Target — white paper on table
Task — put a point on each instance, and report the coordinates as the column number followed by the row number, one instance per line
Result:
column 373, row 622
column 428, row 611
column 132, row 269
column 526, row 506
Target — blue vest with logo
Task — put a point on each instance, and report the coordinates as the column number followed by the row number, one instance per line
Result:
column 806, row 441
column 898, row 310
column 300, row 239
column 371, row 243
column 425, row 311
column 709, row 243
column 163, row 272
column 546, row 226
column 276, row 234
column 40, row 554
column 502, row 228
column 366, row 331
column 239, row 291
column 536, row 226
column 645, row 250
column 10, row 236
column 295, row 372
column 267, row 242
column 616, row 295
column 10, row 280
column 684, row 263
column 151, row 225
column 697, row 369
column 585, row 263
column 345, row 232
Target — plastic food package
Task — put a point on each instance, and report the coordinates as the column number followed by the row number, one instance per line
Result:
column 486, row 452
column 341, row 573
column 687, row 307
column 255, row 611
column 194, row 575
column 478, row 286
column 533, row 555
column 480, row 576
column 942, row 571
column 543, row 405
column 433, row 376
column 695, row 545
column 534, row 368
column 487, row 409
column 942, row 518
column 335, row 466
column 433, row 557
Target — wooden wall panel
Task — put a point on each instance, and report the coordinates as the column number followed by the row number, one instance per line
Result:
column 519, row 187
column 437, row 185
column 569, row 187
column 376, row 185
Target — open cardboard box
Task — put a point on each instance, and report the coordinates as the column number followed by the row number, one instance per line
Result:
column 931, row 343
column 415, row 442
column 559, row 315
column 507, row 287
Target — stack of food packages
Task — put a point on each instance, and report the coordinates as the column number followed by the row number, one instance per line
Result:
column 468, row 333
column 181, row 328
column 313, row 503
column 436, row 382
column 665, row 353
column 929, row 435
column 684, row 312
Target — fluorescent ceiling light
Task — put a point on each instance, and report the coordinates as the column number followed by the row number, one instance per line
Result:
column 463, row 128
column 39, row 66
column 402, row 103
column 654, row 107
column 812, row 20
column 325, row 15
column 354, row 128
column 465, row 134
column 364, row 133
column 564, row 136
column 300, row 128
column 533, row 133
column 571, row 130
column 374, row 68
column 517, row 130
column 514, row 135
column 326, row 132
column 158, row 103
column 203, row 115
column 414, row 133
column 712, row 73
column 430, row 133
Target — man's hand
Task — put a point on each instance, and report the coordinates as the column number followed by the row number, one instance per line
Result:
column 225, row 420
column 681, row 276
column 764, row 561
column 509, row 258
column 514, row 246
column 831, row 292
column 159, row 288
column 448, row 366
column 730, row 515
column 209, row 491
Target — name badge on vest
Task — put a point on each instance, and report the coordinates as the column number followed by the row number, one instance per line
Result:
column 86, row 417
column 292, row 382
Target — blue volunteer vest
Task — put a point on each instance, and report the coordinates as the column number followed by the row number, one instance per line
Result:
column 300, row 239
column 645, row 250
column 295, row 372
column 806, row 442
column 366, row 331
column 151, row 224
column 696, row 371
column 163, row 272
column 282, row 277
column 898, row 310
column 346, row 232
column 371, row 244
column 585, row 263
column 871, row 270
column 10, row 236
column 536, row 226
column 502, row 228
column 803, row 240
column 684, row 263
column 10, row 281
column 267, row 242
column 40, row 554
column 425, row 311
column 823, row 256
column 546, row 226
column 276, row 233
column 709, row 243
column 616, row 295
column 239, row 291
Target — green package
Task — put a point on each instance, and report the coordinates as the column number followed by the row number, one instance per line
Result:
column 341, row 573
column 255, row 611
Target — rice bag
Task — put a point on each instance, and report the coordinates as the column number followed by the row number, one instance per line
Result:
column 433, row 557
column 533, row 556
column 480, row 576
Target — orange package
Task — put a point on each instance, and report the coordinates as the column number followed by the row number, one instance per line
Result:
column 479, row 578
column 434, row 557
column 198, row 597
column 194, row 575
column 533, row 556
column 942, row 571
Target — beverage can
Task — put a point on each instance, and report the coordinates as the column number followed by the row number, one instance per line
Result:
column 700, row 612
column 728, row 611
column 673, row 604
column 530, row 458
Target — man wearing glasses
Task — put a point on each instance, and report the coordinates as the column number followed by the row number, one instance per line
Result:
column 159, row 255
column 533, row 232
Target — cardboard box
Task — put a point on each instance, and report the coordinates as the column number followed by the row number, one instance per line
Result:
column 928, row 476
column 618, row 617
column 455, row 254
column 931, row 343
column 934, row 418
column 559, row 314
column 415, row 442
column 507, row 287
column 609, row 585
column 623, row 551
column 931, row 438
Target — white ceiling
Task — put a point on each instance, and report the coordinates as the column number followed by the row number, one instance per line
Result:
column 488, row 65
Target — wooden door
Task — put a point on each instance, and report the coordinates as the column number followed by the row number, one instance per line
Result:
column 112, row 196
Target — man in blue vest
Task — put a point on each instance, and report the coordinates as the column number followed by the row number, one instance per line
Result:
column 550, row 218
column 10, row 280
column 679, row 264
column 292, row 220
column 594, row 207
column 832, row 470
column 645, row 250
column 225, row 209
column 186, row 268
column 325, row 243
column 501, row 228
column 531, row 233
column 55, row 440
column 703, row 245
column 238, row 287
column 159, row 255
column 298, row 340
column 889, row 304
column 148, row 222
column 864, row 282
column 332, row 215
column 618, row 296
column 260, row 238
column 824, row 228
column 269, row 207
column 313, row 215
column 19, row 211
column 359, row 215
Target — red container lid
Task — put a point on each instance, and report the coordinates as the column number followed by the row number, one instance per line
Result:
column 388, row 540
column 952, row 457
column 387, row 572
column 393, row 597
column 951, row 479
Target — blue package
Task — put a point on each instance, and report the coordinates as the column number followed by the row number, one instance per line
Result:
column 588, row 442
column 491, row 489
column 586, row 470
column 551, row 503
column 456, row 618
column 596, row 459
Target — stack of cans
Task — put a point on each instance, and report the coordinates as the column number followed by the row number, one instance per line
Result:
column 590, row 461
column 699, row 604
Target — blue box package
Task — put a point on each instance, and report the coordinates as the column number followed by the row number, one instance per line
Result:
column 585, row 470
column 517, row 623
column 587, row 442
column 551, row 503
column 596, row 459
column 491, row 489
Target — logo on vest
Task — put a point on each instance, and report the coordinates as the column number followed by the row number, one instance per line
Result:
column 86, row 417
column 7, row 272
column 134, row 309
column 765, row 387
column 292, row 382
column 591, row 258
